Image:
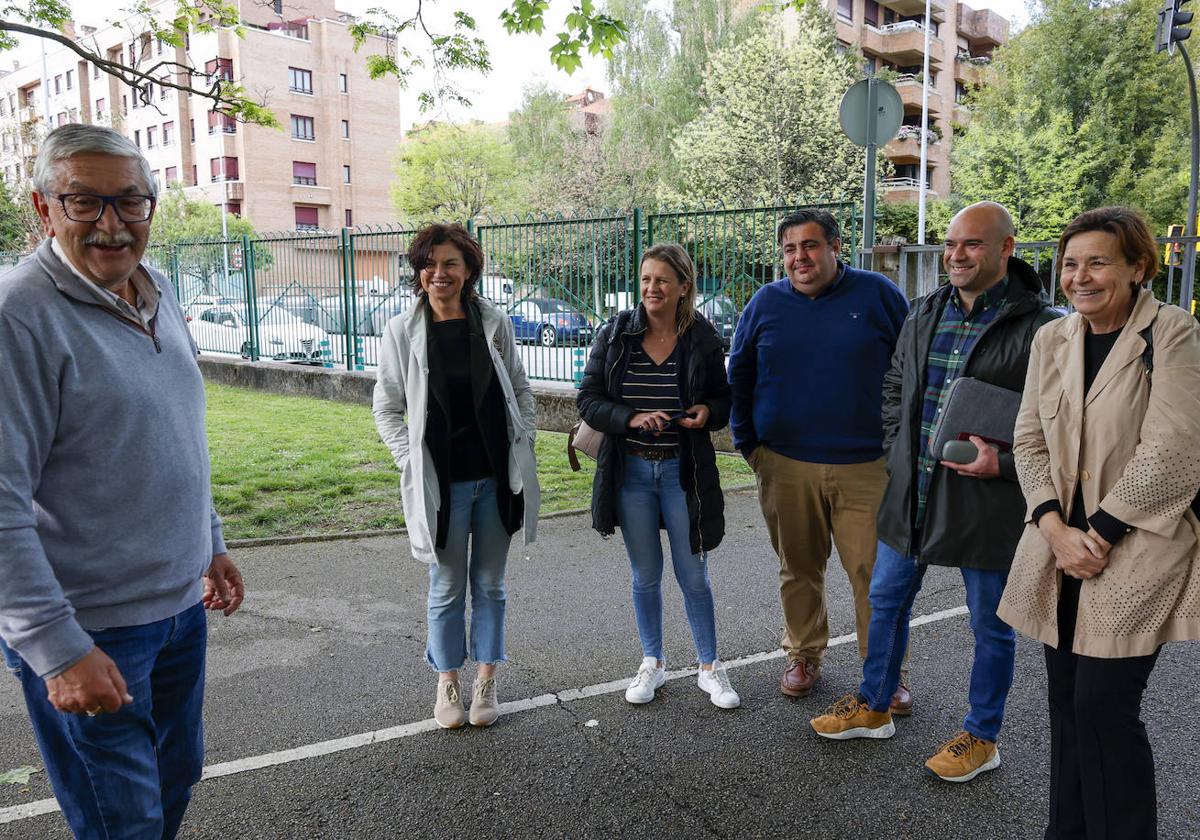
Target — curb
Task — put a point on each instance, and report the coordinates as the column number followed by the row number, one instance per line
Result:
column 397, row 532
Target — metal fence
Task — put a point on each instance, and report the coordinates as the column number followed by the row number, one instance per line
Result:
column 323, row 297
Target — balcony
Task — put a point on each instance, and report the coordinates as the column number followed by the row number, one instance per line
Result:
column 970, row 69
column 906, row 147
column 308, row 194
column 235, row 190
column 937, row 9
column 901, row 43
column 909, row 88
column 983, row 28
column 905, row 189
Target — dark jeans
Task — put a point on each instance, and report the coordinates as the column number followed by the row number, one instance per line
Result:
column 129, row 774
column 1101, row 766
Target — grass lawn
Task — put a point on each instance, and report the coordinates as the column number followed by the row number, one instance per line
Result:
column 290, row 466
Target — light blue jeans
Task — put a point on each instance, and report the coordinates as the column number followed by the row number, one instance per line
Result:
column 474, row 515
column 650, row 494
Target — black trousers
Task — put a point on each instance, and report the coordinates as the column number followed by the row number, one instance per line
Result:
column 1101, row 766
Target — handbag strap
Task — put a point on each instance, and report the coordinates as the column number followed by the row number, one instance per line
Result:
column 572, row 458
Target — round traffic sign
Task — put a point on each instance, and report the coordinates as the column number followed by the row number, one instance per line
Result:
column 864, row 126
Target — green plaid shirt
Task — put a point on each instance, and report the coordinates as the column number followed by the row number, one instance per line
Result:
column 955, row 337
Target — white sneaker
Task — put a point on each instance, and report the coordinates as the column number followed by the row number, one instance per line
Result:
column 716, row 683
column 648, row 680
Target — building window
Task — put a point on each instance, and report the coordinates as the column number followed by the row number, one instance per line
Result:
column 70, row 79
column 58, row 84
column 223, row 122
column 219, row 68
column 960, row 93
column 192, row 129
column 95, row 71
column 151, row 136
column 157, row 178
column 99, row 107
column 870, row 63
column 304, row 173
column 845, row 10
column 230, row 172
column 307, row 219
column 343, row 83
column 345, row 174
column 124, row 104
column 234, row 207
column 345, row 129
column 168, row 134
column 172, row 175
column 349, row 218
column 162, row 90
column 137, row 138
column 303, row 128
column 871, row 13
column 158, row 46
column 299, row 80
column 149, row 92
column 195, row 176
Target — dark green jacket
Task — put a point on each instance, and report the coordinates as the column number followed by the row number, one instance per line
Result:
column 969, row 522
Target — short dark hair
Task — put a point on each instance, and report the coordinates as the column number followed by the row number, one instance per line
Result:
column 810, row 214
column 439, row 234
column 1133, row 236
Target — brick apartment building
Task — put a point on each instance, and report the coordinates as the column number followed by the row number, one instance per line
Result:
column 329, row 167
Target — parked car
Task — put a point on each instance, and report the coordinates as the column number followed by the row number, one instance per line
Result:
column 550, row 322
column 722, row 314
column 220, row 325
column 497, row 289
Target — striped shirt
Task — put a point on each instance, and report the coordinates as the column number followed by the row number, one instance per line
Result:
column 648, row 386
column 956, row 335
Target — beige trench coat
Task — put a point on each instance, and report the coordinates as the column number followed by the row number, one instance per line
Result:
column 1135, row 449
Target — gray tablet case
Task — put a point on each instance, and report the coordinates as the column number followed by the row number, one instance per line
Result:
column 976, row 408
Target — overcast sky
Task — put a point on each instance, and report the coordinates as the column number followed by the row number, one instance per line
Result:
column 517, row 61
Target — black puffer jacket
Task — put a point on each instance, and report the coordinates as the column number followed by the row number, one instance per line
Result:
column 971, row 522
column 701, row 380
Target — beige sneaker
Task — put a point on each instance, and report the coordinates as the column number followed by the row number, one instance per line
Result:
column 448, row 710
column 852, row 718
column 484, row 708
column 963, row 757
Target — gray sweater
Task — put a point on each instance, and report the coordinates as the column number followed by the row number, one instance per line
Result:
column 106, row 515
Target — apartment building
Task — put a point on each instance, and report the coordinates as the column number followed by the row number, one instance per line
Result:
column 891, row 35
column 329, row 166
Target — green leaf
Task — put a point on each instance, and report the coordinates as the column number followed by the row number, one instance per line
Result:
column 18, row 776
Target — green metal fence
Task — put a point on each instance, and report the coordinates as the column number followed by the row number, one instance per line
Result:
column 324, row 297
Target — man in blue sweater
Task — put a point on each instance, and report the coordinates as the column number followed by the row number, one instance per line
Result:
column 110, row 549
column 806, row 373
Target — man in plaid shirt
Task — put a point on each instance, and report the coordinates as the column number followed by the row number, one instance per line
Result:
column 935, row 512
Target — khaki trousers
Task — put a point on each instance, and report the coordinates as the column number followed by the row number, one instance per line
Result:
column 803, row 505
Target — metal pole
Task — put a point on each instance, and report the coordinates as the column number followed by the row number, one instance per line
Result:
column 45, row 88
column 924, row 130
column 868, row 238
column 1189, row 253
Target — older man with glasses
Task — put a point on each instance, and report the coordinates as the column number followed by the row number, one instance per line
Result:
column 110, row 549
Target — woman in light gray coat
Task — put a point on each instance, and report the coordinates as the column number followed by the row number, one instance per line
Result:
column 455, row 408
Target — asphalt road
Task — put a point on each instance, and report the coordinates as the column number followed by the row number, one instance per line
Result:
column 330, row 645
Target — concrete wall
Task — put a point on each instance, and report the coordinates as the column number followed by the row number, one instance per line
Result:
column 555, row 404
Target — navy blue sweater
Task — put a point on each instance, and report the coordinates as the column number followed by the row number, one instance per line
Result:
column 807, row 373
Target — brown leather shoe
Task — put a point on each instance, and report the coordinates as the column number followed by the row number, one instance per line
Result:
column 902, row 701
column 799, row 677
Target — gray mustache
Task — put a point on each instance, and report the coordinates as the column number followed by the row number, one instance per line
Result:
column 106, row 240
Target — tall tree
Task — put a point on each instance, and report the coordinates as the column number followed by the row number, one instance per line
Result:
column 209, row 265
column 1079, row 112
column 770, row 125
column 20, row 227
column 542, row 140
column 456, row 173
column 404, row 40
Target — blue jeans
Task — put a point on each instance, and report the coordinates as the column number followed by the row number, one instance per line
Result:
column 129, row 774
column 650, row 495
column 895, row 583
column 473, row 513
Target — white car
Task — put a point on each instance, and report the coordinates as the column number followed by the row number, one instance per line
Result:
column 219, row 325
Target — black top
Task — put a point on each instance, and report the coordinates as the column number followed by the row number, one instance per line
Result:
column 468, row 457
column 1096, row 348
column 648, row 386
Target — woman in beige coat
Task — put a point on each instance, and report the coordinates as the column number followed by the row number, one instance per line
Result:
column 1108, row 454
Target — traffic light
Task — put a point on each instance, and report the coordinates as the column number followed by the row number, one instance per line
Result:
column 1171, row 23
column 1173, row 251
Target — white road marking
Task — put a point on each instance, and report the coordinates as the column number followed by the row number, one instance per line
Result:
column 15, row 813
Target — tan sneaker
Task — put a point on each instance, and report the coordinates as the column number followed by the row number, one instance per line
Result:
column 484, row 708
column 963, row 757
column 448, row 710
column 852, row 718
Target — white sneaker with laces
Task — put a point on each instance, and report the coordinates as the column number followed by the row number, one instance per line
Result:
column 649, row 679
column 716, row 683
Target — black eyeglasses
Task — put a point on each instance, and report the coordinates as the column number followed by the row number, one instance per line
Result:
column 85, row 207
